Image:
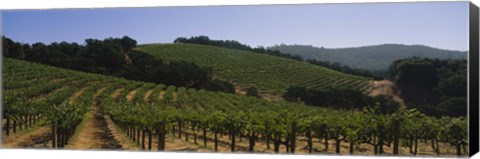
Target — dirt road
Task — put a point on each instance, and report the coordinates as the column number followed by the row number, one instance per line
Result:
column 386, row 87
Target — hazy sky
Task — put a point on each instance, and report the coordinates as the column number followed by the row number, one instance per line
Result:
column 440, row 24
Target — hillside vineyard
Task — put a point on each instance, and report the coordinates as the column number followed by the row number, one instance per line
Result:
column 270, row 74
column 150, row 115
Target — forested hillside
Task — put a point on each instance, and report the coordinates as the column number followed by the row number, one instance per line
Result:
column 435, row 87
column 372, row 58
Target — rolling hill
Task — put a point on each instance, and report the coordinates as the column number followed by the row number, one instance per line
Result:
column 373, row 58
column 270, row 74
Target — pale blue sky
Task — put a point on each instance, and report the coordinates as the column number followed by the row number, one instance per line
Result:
column 436, row 24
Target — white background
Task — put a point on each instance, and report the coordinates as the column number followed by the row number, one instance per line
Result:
column 53, row 154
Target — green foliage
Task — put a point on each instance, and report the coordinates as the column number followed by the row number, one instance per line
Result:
column 268, row 74
column 416, row 72
column 436, row 87
column 335, row 98
column 252, row 91
column 117, row 57
column 210, row 110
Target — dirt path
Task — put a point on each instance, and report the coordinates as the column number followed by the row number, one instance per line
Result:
column 116, row 93
column 131, row 95
column 39, row 138
column 176, row 144
column 36, row 136
column 160, row 95
column 146, row 98
column 97, row 132
column 126, row 143
column 385, row 87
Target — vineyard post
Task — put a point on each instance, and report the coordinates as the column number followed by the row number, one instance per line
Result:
column 14, row 126
column 416, row 147
column 337, row 144
column 381, row 136
column 437, row 149
column 293, row 137
column 459, row 149
column 194, row 134
column 186, row 132
column 309, row 141
column 204, row 137
column 20, row 123
column 143, row 138
column 127, row 130
column 161, row 136
column 61, row 137
column 149, row 139
column 216, row 141
column 131, row 131
column 410, row 145
column 138, row 136
column 375, row 145
column 179, row 129
column 7, row 127
column 325, row 137
column 251, row 141
column 25, row 120
column 268, row 141
column 276, row 142
column 59, row 141
column 287, row 143
column 351, row 147
column 232, row 144
column 54, row 135
column 134, row 134
column 396, row 136
column 29, row 120
column 34, row 118
column 158, row 138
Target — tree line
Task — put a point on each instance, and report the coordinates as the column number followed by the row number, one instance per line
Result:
column 436, row 87
column 346, row 99
column 116, row 57
column 232, row 44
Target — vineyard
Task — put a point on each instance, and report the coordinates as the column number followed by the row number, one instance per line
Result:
column 270, row 74
column 64, row 104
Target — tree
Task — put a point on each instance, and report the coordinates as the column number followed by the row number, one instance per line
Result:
column 128, row 43
column 417, row 72
column 252, row 91
column 12, row 49
column 295, row 94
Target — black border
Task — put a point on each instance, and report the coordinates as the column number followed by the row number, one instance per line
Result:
column 474, row 86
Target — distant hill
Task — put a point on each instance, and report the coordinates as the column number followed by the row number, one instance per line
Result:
column 373, row 58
